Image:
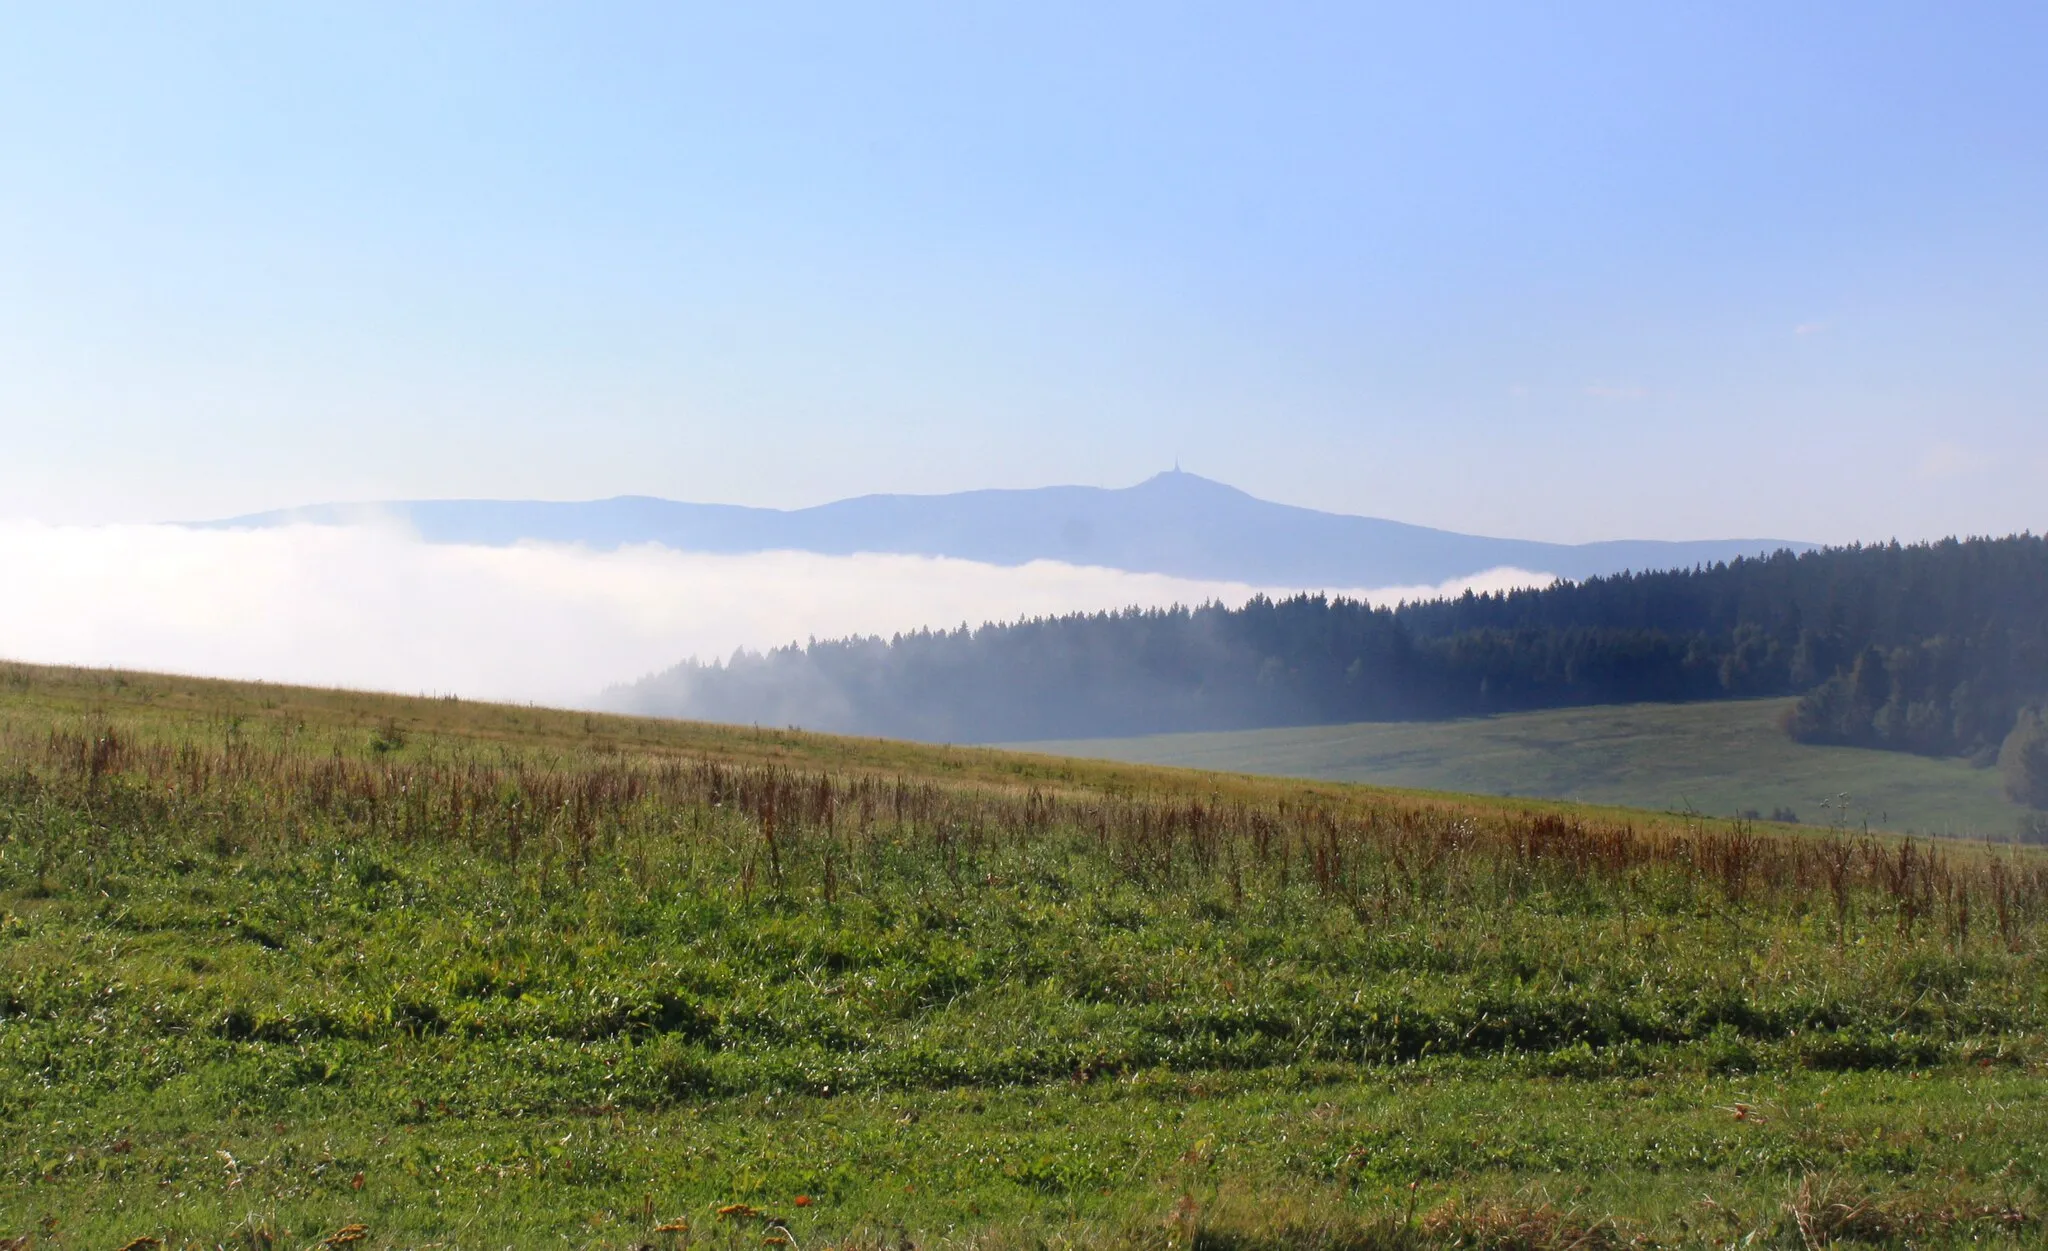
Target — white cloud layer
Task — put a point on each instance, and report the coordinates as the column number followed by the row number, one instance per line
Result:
column 378, row 609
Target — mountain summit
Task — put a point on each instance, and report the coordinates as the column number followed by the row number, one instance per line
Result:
column 1172, row 523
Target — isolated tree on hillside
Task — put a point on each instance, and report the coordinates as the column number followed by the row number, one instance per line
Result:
column 2023, row 761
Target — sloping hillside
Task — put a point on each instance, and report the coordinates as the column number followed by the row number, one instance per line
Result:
column 293, row 968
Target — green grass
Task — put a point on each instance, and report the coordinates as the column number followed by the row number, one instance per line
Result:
column 274, row 963
column 1720, row 758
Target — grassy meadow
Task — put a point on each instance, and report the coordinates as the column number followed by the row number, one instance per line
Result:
column 1721, row 758
column 293, row 968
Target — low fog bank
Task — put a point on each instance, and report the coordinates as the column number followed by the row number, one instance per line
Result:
column 376, row 608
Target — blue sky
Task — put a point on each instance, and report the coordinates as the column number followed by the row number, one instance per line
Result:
column 1555, row 271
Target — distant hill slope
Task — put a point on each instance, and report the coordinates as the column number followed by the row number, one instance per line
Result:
column 1714, row 758
column 1175, row 523
column 1935, row 648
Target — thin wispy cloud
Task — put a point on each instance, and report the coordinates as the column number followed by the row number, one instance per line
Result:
column 1946, row 459
column 1616, row 391
column 1807, row 328
column 375, row 608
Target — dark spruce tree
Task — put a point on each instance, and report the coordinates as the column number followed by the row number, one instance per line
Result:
column 2023, row 760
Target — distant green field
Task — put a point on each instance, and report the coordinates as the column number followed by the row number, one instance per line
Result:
column 1714, row 758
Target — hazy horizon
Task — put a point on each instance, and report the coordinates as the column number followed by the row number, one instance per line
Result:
column 375, row 608
column 376, row 511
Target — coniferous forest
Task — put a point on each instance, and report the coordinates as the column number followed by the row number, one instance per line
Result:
column 1938, row 648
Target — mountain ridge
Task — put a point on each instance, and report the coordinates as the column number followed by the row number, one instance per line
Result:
column 1174, row 523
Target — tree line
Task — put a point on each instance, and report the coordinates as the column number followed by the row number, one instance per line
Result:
column 1937, row 648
